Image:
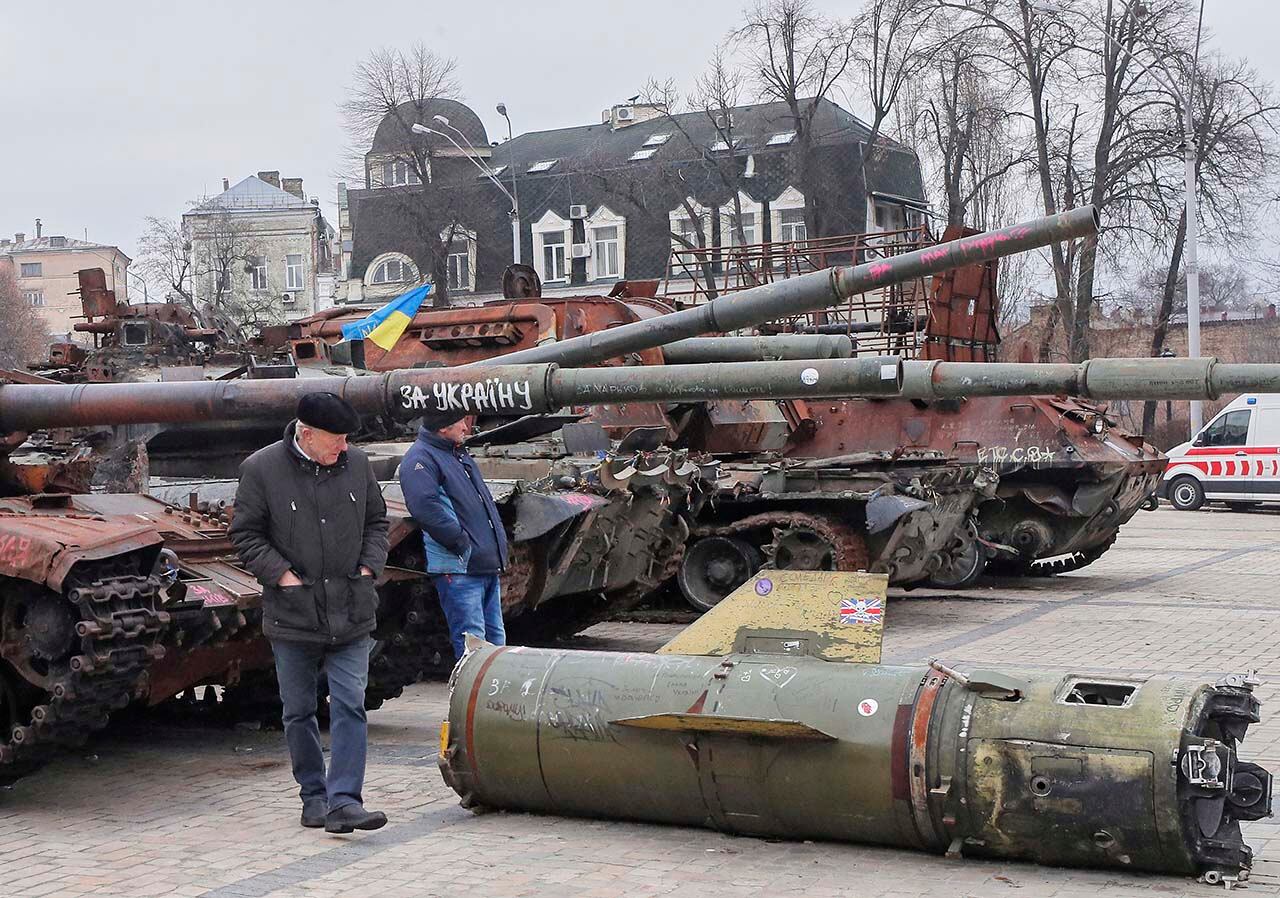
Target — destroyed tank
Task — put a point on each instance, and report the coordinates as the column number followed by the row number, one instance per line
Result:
column 1068, row 474
column 132, row 342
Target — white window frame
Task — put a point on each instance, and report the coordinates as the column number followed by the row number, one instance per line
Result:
column 34, row 298
column 552, row 224
column 875, row 206
column 781, row 139
column 680, row 214
column 258, row 276
column 728, row 235
column 408, row 270
column 294, row 275
column 604, row 217
column 789, row 200
column 642, row 154
column 657, row 140
column 37, row 273
column 469, row 254
column 542, row 165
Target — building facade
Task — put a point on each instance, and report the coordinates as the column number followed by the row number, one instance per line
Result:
column 261, row 250
column 610, row 201
column 45, row 269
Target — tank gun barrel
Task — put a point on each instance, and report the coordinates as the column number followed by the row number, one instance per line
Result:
column 785, row 347
column 533, row 389
column 1142, row 378
column 806, row 293
column 407, row 394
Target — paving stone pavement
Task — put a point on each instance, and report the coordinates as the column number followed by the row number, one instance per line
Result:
column 181, row 809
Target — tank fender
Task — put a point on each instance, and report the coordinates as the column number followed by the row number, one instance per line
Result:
column 537, row 513
column 885, row 511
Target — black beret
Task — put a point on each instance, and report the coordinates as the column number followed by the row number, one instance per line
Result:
column 329, row 412
column 441, row 420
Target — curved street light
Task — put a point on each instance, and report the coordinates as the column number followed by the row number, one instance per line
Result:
column 484, row 168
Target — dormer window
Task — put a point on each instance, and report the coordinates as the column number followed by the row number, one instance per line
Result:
column 398, row 173
column 541, row 166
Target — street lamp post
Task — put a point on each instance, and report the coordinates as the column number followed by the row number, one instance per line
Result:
column 488, row 172
column 1170, row 83
column 515, row 189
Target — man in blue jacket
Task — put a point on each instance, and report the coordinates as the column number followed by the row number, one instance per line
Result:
column 465, row 543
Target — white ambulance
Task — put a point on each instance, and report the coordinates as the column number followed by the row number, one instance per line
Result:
column 1235, row 458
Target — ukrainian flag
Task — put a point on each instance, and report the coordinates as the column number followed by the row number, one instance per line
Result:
column 385, row 325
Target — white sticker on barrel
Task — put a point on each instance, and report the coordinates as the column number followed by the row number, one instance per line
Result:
column 888, row 372
column 809, row 376
column 868, row 706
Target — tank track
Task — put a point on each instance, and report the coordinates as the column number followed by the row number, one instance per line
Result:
column 119, row 630
column 1049, row 567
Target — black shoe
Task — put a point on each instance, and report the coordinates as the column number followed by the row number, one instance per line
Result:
column 313, row 813
column 351, row 817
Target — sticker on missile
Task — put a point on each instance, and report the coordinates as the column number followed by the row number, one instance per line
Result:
column 868, row 706
column 764, row 586
column 888, row 372
column 861, row 611
column 809, row 376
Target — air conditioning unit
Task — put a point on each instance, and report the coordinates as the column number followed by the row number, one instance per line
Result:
column 582, row 250
column 288, row 299
column 576, row 211
column 626, row 113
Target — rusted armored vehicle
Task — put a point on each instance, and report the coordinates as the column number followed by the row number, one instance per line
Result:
column 1067, row 474
column 136, row 342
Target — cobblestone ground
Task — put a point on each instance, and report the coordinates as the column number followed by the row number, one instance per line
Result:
column 155, row 809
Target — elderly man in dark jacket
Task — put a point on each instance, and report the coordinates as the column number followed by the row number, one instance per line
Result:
column 311, row 525
column 466, row 546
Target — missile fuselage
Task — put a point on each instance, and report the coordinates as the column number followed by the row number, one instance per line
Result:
column 1059, row 768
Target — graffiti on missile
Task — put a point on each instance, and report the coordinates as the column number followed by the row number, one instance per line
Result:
column 491, row 395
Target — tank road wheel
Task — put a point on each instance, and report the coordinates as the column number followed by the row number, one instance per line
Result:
column 784, row 540
column 801, row 549
column 965, row 561
column 1186, row 494
column 715, row 566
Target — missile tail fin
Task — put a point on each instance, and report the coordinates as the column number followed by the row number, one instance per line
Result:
column 832, row 615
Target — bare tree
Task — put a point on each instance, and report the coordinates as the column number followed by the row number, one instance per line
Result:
column 967, row 126
column 24, row 337
column 402, row 88
column 165, row 257
column 1236, row 119
column 1036, row 49
column 893, row 44
column 797, row 57
column 222, row 245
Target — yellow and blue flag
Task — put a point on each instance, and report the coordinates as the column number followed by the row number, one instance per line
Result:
column 385, row 325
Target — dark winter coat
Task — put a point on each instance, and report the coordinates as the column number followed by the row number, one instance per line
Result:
column 324, row 523
column 462, row 531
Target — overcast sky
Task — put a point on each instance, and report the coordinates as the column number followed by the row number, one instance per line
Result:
column 115, row 111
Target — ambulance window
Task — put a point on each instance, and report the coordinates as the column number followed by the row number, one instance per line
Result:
column 1266, row 429
column 1230, row 429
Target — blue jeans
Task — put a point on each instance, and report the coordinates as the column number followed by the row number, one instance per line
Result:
column 298, row 668
column 471, row 604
